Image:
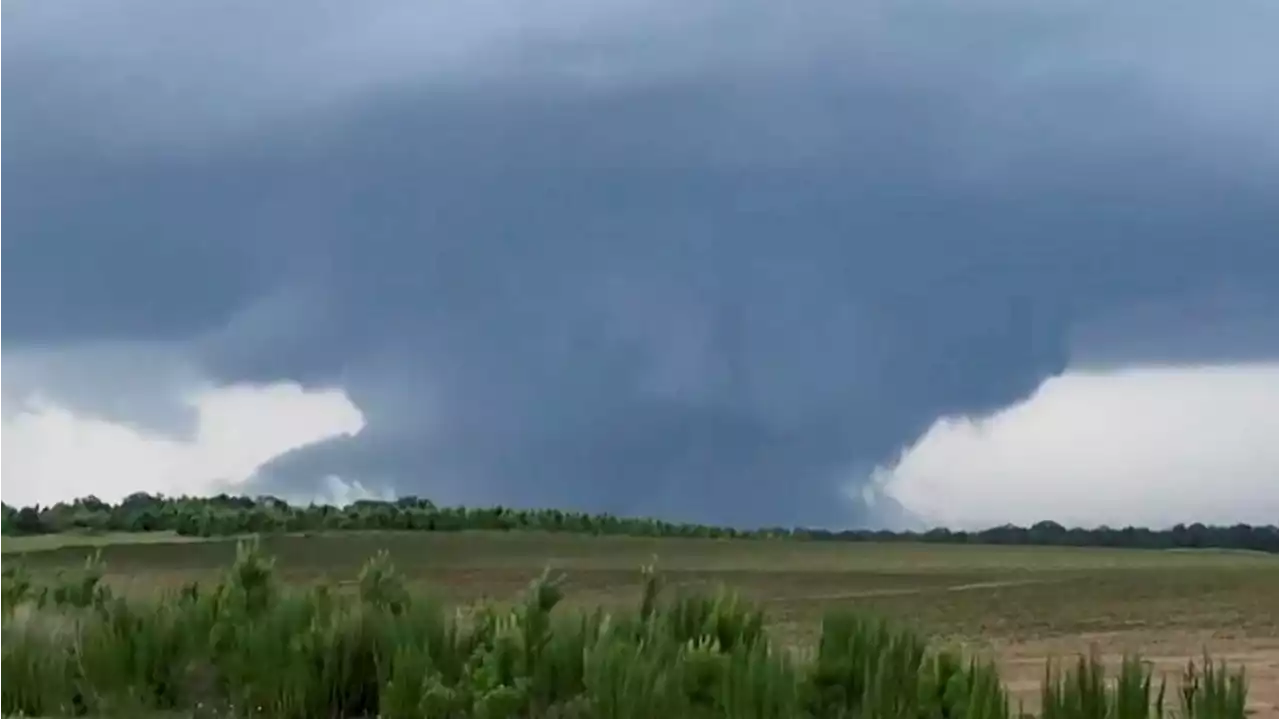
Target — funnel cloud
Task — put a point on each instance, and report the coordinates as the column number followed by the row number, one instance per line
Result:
column 712, row 262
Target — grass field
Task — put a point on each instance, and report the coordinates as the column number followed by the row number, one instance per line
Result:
column 1019, row 605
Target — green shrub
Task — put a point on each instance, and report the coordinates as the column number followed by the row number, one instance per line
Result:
column 251, row 646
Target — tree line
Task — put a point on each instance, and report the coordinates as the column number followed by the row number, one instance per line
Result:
column 225, row 515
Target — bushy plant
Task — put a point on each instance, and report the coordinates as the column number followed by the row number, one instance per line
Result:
column 252, row 646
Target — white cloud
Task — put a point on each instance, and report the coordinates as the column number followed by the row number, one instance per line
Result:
column 340, row 492
column 1148, row 447
column 49, row 452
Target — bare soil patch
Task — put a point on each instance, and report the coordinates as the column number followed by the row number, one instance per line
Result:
column 1022, row 664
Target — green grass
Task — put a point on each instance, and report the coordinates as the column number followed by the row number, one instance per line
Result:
column 980, row 592
column 45, row 542
column 518, row 549
column 248, row 641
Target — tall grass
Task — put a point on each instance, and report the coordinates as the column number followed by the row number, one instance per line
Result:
column 250, row 646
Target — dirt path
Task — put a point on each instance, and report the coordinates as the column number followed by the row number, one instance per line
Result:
column 908, row 591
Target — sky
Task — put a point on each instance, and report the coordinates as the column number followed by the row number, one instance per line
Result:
column 879, row 264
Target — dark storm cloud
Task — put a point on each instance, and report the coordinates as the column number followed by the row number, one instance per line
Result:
column 712, row 262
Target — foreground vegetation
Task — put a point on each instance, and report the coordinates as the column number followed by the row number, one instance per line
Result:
column 230, row 516
column 249, row 645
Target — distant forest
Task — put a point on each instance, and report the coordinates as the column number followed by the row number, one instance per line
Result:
column 225, row 515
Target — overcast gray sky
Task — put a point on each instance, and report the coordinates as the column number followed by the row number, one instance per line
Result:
column 709, row 260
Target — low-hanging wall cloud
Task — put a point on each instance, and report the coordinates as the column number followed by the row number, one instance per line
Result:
column 711, row 261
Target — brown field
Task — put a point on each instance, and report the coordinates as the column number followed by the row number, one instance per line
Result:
column 1022, row 605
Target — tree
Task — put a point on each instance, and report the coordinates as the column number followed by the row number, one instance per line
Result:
column 28, row 521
